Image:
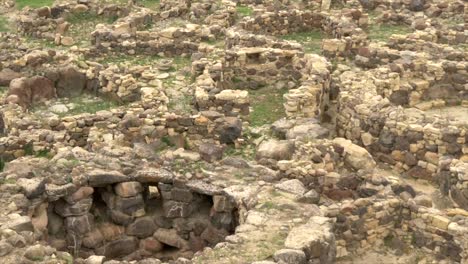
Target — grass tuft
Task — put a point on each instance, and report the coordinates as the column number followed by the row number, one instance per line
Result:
column 310, row 40
column 244, row 11
column 4, row 27
column 82, row 24
column 383, row 32
column 151, row 4
column 85, row 106
column 267, row 105
column 20, row 4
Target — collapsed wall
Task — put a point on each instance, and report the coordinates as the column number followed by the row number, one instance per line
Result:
column 410, row 139
column 152, row 215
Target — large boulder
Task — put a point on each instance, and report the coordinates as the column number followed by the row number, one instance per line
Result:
column 7, row 75
column 417, row 5
column 70, row 82
column 230, row 129
column 171, row 238
column 307, row 131
column 27, row 91
column 355, row 156
column 98, row 177
column 275, row 149
column 119, row 247
column 315, row 239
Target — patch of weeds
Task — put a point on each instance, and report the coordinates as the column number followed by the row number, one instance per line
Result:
column 2, row 164
column 68, row 259
column 275, row 193
column 69, row 179
column 3, row 90
column 4, row 27
column 82, row 24
column 37, row 258
column 268, row 205
column 243, row 152
column 383, row 32
column 279, row 238
column 40, row 43
column 43, row 153
column 267, row 106
column 166, row 143
column 20, row 4
column 244, row 11
column 216, row 43
column 310, row 40
column 180, row 62
column 129, row 59
column 238, row 175
column 236, row 79
column 151, row 4
column 28, row 149
column 7, row 181
column 166, row 140
column 73, row 162
column 181, row 104
column 86, row 106
column 388, row 240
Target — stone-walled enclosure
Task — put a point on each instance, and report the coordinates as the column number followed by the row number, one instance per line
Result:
column 263, row 132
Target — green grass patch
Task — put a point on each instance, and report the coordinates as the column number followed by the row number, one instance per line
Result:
column 180, row 62
column 310, row 40
column 383, row 32
column 2, row 164
column 40, row 43
column 43, row 153
column 244, row 11
column 4, row 25
column 82, row 24
column 181, row 104
column 7, row 181
column 3, row 90
column 80, row 105
column 244, row 152
column 88, row 106
column 267, row 105
column 129, row 59
column 151, row 4
column 20, row 4
column 268, row 205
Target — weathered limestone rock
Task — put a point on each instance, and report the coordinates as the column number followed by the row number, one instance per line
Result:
column 210, row 152
column 7, row 75
column 274, row 149
column 292, row 186
column 128, row 189
column 174, row 209
column 19, row 223
column 307, row 131
column 27, row 91
column 142, row 227
column 315, row 239
column 290, row 256
column 231, row 130
column 32, row 188
column 98, row 177
column 119, row 247
column 35, row 252
column 356, row 156
column 70, row 82
column 5, row 248
column 171, row 238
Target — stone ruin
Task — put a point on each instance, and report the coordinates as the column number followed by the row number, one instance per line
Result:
column 262, row 132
